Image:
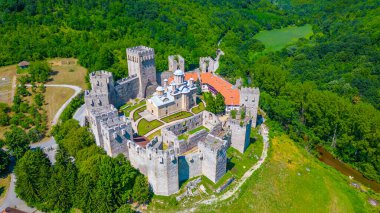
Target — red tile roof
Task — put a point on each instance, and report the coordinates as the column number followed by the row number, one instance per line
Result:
column 141, row 141
column 231, row 95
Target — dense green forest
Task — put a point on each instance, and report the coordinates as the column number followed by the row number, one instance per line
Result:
column 323, row 91
column 97, row 32
column 326, row 91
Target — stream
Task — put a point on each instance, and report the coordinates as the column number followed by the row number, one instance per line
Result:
column 345, row 169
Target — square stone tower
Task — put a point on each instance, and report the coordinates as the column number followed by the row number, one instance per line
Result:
column 214, row 157
column 163, row 171
column 141, row 63
column 116, row 132
column 240, row 133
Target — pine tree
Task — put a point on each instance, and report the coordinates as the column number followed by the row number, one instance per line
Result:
column 220, row 105
column 141, row 192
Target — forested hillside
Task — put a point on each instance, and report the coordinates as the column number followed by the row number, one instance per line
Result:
column 97, row 32
column 324, row 91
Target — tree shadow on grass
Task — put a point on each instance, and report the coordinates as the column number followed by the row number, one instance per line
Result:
column 2, row 190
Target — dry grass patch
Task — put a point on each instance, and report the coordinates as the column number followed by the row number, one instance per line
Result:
column 7, row 76
column 4, row 185
column 55, row 97
column 3, row 129
column 68, row 71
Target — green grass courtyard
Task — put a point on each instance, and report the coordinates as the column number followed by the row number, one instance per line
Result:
column 177, row 116
column 136, row 115
column 199, row 108
column 129, row 107
column 145, row 126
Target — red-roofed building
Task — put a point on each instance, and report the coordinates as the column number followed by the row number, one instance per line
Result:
column 215, row 84
column 23, row 64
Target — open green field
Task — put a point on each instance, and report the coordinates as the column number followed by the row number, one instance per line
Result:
column 277, row 39
column 292, row 180
column 145, row 126
column 177, row 116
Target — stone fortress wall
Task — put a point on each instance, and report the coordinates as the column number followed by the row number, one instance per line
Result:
column 202, row 153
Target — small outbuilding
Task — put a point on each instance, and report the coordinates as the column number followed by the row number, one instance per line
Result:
column 24, row 64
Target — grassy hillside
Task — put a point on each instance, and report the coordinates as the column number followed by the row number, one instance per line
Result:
column 293, row 181
column 277, row 39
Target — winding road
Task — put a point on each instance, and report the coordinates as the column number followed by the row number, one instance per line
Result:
column 11, row 199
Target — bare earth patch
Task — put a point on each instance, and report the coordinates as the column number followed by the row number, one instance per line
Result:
column 7, row 76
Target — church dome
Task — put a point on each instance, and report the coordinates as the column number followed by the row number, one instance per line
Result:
column 159, row 89
column 179, row 72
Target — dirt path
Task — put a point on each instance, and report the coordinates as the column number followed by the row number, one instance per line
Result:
column 14, row 81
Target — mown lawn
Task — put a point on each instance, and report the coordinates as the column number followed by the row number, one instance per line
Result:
column 176, row 116
column 198, row 108
column 145, row 126
column 128, row 107
column 136, row 115
column 277, row 39
column 154, row 134
column 292, row 180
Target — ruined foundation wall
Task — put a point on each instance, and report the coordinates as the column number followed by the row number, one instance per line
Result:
column 240, row 135
column 189, row 166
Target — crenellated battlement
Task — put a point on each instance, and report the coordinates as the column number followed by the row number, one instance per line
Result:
column 126, row 80
column 140, row 53
column 249, row 90
column 101, row 74
column 213, row 143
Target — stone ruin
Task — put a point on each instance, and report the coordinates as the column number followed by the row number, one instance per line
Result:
column 176, row 62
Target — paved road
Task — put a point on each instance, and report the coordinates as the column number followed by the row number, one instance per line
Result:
column 80, row 114
column 11, row 199
column 77, row 91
